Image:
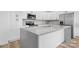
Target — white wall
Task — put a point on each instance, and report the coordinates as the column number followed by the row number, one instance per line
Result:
column 9, row 27
column 76, row 23
column 14, row 26
column 4, row 26
column 4, row 21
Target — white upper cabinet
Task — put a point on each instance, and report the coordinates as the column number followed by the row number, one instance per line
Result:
column 47, row 15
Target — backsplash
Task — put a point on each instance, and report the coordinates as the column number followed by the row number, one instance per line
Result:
column 54, row 22
column 40, row 22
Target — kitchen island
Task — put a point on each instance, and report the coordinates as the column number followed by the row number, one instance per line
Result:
column 42, row 37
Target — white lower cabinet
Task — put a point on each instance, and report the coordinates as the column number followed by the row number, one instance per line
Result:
column 47, row 40
column 51, row 40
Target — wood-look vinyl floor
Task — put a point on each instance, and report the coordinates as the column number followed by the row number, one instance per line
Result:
column 74, row 43
column 14, row 44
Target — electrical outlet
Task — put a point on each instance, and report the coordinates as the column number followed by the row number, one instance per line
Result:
column 17, row 19
column 17, row 15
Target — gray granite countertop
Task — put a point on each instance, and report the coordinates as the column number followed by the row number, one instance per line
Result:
column 41, row 30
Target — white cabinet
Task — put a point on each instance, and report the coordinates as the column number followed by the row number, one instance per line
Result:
column 61, row 17
column 51, row 40
column 58, row 13
column 46, row 16
column 67, row 34
column 47, row 40
column 52, row 15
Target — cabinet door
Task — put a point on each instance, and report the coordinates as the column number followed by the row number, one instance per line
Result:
column 69, row 19
column 67, row 34
column 52, row 39
column 40, row 15
column 28, row 39
column 61, row 17
column 46, row 15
